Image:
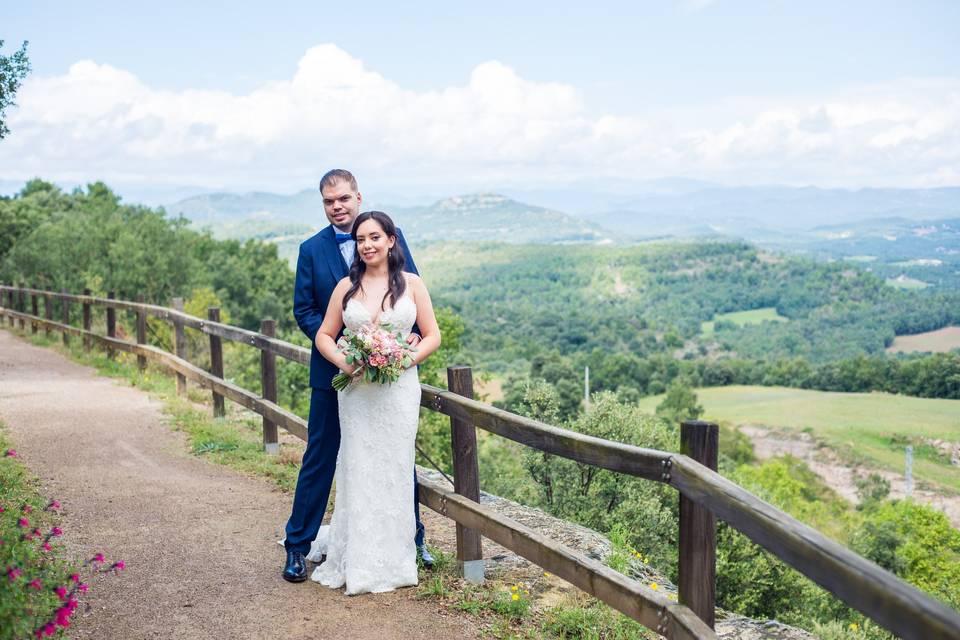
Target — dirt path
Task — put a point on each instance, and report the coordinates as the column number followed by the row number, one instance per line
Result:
column 198, row 540
column 840, row 476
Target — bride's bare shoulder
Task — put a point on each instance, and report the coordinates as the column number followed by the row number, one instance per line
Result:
column 414, row 281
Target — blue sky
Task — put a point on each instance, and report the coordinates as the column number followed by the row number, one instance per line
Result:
column 838, row 94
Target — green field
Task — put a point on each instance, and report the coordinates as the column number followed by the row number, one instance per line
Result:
column 741, row 318
column 903, row 282
column 873, row 427
column 939, row 341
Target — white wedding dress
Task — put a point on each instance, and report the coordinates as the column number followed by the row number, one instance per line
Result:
column 370, row 540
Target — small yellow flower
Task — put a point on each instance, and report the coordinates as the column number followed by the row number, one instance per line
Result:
column 513, row 588
column 515, row 597
column 546, row 574
column 654, row 586
column 854, row 626
column 672, row 596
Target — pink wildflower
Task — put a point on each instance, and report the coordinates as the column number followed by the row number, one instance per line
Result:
column 118, row 565
column 63, row 616
column 61, row 592
column 2, row 509
column 46, row 547
column 27, row 508
column 82, row 587
column 72, row 604
column 11, row 453
column 56, row 531
column 23, row 522
column 75, row 577
column 49, row 629
column 13, row 573
column 98, row 558
column 36, row 584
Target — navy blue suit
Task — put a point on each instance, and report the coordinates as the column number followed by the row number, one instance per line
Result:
column 320, row 266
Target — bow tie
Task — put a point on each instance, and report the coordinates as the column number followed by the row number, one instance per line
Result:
column 343, row 237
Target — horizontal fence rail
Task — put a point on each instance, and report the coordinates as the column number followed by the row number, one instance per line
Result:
column 885, row 598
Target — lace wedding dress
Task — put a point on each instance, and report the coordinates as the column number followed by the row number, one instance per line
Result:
column 370, row 540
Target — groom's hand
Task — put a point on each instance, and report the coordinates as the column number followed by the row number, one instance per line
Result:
column 414, row 339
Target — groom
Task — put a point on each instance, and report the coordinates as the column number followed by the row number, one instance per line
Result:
column 323, row 261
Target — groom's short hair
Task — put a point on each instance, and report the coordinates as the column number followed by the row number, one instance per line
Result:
column 334, row 176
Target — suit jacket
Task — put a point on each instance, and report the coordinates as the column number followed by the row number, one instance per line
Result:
column 320, row 266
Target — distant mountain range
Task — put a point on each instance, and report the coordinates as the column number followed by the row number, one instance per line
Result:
column 889, row 226
column 482, row 216
column 664, row 208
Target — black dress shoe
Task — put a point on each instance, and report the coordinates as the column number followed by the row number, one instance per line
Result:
column 295, row 570
column 424, row 556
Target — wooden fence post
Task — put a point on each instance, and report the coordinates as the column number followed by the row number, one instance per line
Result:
column 268, row 386
column 141, row 333
column 111, row 324
column 698, row 527
column 34, row 310
column 65, row 315
column 179, row 346
column 86, row 321
column 22, row 308
column 216, row 362
column 466, row 476
column 47, row 311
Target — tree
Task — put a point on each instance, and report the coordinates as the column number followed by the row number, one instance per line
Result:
column 680, row 403
column 13, row 69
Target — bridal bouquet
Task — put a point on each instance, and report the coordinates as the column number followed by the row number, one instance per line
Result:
column 381, row 353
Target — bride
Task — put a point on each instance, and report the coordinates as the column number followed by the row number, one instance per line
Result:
column 369, row 543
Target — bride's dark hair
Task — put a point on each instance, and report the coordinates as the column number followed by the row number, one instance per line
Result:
column 396, row 283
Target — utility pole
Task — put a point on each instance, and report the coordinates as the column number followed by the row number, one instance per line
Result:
column 586, row 387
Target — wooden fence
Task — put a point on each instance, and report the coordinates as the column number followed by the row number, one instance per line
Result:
column 704, row 494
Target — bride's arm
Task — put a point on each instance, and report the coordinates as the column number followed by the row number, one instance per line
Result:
column 426, row 320
column 326, row 339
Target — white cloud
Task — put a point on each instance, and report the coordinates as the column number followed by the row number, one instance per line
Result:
column 497, row 129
